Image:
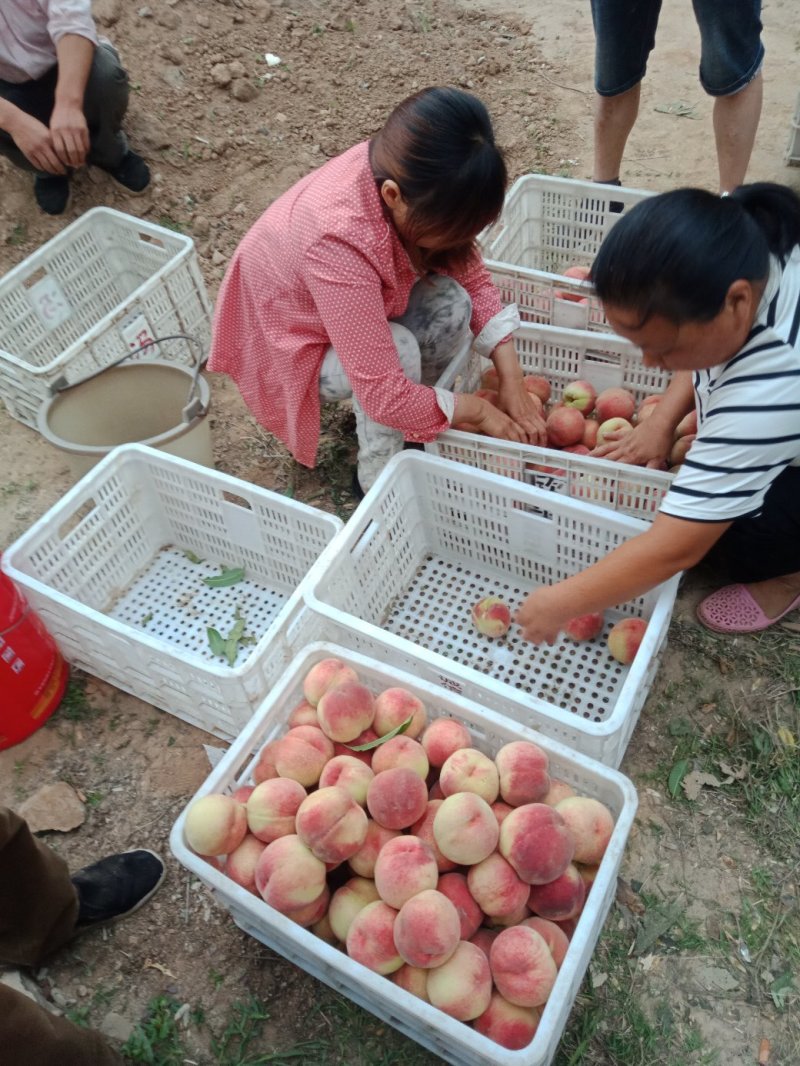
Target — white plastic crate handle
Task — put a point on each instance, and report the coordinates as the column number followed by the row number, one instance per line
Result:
column 364, row 540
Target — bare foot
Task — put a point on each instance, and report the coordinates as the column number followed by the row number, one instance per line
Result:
column 775, row 595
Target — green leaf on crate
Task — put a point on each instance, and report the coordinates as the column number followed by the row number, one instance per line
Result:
column 231, row 650
column 382, row 740
column 190, row 555
column 216, row 641
column 676, row 776
column 147, row 618
column 237, row 631
column 231, row 575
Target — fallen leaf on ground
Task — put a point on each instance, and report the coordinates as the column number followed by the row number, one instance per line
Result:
column 150, row 965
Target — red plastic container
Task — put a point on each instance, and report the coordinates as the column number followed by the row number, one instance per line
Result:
column 33, row 674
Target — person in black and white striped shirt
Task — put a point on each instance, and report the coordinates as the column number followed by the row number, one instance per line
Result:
column 709, row 288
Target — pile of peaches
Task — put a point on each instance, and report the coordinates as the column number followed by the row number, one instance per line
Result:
column 582, row 418
column 456, row 875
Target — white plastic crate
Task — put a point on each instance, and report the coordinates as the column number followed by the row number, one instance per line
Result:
column 562, row 356
column 454, row 1041
column 547, row 225
column 103, row 286
column 792, row 157
column 114, row 571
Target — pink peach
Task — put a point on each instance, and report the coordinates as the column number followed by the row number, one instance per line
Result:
column 522, row 966
column 461, row 986
column 496, row 888
column 624, row 639
column 397, row 798
column 347, row 901
column 349, row 773
column 501, row 810
column 614, row 403
column 491, row 616
column 427, row 928
column 590, row 824
column 243, row 793
column 559, row 790
column 405, row 866
column 301, row 754
column 522, row 771
column 465, row 828
column 396, row 705
column 585, row 626
column 423, row 828
column 483, row 938
column 455, row 887
column 272, row 808
column 371, row 938
column 612, row 426
column 345, row 710
column 469, row 770
column 240, row 864
column 323, row 675
column 303, row 714
column 564, row 426
column 561, row 898
column 288, row 875
column 362, row 862
column 536, row 841
column 413, row 980
column 401, row 751
column 312, row 912
column 588, row 872
column 553, row 935
column 322, row 929
column 215, row 825
column 264, row 769
column 331, row 824
column 443, row 737
column 581, row 395
column 687, row 427
column 349, row 749
column 537, row 386
column 589, row 438
column 507, row 1024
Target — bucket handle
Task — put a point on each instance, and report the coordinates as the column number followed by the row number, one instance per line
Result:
column 192, row 409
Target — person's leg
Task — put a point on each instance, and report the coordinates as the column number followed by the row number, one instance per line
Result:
column 30, row 1034
column 762, row 555
column 438, row 314
column 376, row 443
column 625, row 34
column 104, row 105
column 730, row 70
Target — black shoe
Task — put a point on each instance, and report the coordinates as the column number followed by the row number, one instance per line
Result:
column 51, row 192
column 615, row 206
column 116, row 886
column 132, row 172
column 355, row 486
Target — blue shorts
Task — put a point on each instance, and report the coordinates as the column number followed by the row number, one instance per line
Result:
column 625, row 33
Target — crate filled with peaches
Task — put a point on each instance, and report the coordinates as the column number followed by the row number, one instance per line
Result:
column 446, row 868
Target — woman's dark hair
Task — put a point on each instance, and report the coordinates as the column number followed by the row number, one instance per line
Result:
column 438, row 146
column 676, row 254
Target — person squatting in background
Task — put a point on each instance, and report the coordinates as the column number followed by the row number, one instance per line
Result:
column 364, row 280
column 709, row 288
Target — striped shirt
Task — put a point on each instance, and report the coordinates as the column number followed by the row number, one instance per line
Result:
column 748, row 413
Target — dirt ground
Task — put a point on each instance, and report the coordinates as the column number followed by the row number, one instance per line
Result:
column 699, row 959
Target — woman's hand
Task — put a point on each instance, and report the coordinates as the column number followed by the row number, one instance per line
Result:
column 493, row 422
column 523, row 408
column 648, row 444
column 540, row 617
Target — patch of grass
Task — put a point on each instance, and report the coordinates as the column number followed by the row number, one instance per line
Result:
column 348, row 1035
column 170, row 223
column 78, row 1016
column 14, row 488
column 75, row 706
column 18, row 235
column 157, row 1040
column 94, row 799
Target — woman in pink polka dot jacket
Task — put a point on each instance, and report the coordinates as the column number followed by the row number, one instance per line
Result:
column 364, row 280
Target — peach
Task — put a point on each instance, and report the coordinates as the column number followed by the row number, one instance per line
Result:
column 322, row 929
column 397, row 798
column 580, row 273
column 590, row 823
column 427, row 928
column 624, row 639
column 370, row 938
column 537, row 386
column 423, row 828
column 680, row 449
column 502, row 921
column 585, row 626
column 577, row 449
column 435, row 791
column 324, row 674
column 289, row 875
column 243, row 793
column 215, row 825
column 455, row 887
column 462, row 986
column 349, row 749
column 589, row 438
column 301, row 754
column 272, row 807
column 536, row 841
column 495, row 887
column 349, row 773
column 612, row 425
column 345, row 710
column 312, row 912
column 469, row 770
column 483, row 938
column 465, row 828
column 501, row 811
column 687, row 427
column 567, row 927
column 507, row 1024
column 405, row 866
column 347, row 901
column 588, row 872
column 443, row 737
column 614, row 403
column 331, row 824
column 240, row 864
column 522, row 966
column 363, row 862
column 564, row 426
column 553, row 935
column 644, row 412
column 401, row 751
column 303, row 714
column 413, row 980
column 581, row 395
column 264, row 769
column 559, row 790
column 396, row 705
column 561, row 898
column 522, row 771
column 491, row 616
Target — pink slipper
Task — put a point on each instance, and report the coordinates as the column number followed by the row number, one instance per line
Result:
column 733, row 610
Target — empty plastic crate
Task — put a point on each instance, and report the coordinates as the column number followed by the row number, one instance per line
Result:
column 433, row 537
column 116, row 570
column 548, row 225
column 106, row 284
column 563, row 356
column 454, row 1041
